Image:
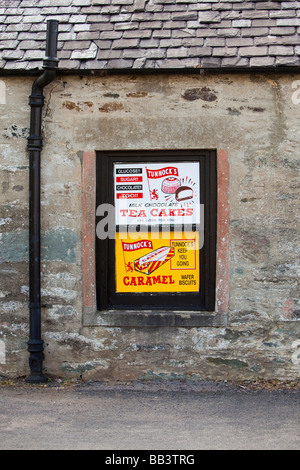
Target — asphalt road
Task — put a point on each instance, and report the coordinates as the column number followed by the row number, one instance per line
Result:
column 169, row 416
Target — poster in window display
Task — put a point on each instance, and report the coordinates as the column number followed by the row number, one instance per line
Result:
column 152, row 194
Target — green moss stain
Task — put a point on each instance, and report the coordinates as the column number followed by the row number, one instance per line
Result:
column 78, row 368
column 56, row 244
column 14, row 247
column 218, row 361
column 59, row 244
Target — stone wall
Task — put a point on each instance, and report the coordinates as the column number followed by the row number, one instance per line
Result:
column 254, row 119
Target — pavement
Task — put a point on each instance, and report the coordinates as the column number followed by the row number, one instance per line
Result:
column 169, row 416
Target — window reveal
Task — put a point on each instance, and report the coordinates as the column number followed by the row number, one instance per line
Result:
column 163, row 253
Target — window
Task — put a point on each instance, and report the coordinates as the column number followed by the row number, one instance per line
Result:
column 156, row 230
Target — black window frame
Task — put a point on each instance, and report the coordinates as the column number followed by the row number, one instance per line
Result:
column 107, row 298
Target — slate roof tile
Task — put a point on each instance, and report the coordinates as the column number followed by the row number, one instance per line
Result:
column 107, row 34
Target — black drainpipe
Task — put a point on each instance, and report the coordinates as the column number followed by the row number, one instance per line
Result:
column 35, row 144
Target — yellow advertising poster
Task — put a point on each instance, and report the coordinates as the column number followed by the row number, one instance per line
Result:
column 158, row 263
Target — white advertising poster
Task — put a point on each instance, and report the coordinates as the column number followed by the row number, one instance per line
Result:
column 157, row 193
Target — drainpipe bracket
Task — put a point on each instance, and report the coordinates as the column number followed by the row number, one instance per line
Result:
column 36, row 100
column 50, row 63
column 35, row 345
column 34, row 143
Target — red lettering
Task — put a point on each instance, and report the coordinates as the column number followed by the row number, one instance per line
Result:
column 129, row 195
column 132, row 213
column 162, row 213
column 129, row 179
column 162, row 172
column 149, row 281
column 189, row 211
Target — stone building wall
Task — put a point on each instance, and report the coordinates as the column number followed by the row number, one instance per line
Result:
column 253, row 119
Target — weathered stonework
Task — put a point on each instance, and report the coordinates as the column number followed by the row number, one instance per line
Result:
column 250, row 118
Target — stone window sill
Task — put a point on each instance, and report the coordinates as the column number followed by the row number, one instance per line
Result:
column 150, row 318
